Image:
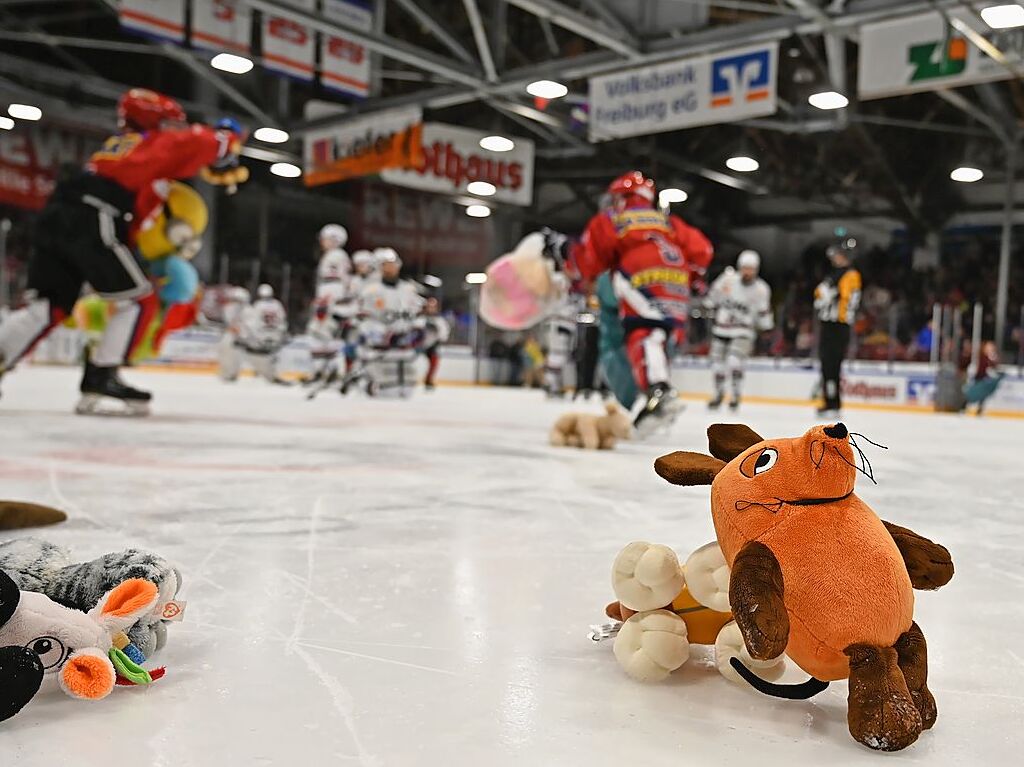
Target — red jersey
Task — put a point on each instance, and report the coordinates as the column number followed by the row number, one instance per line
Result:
column 653, row 254
column 140, row 161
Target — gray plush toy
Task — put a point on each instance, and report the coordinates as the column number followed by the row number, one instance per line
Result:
column 36, row 565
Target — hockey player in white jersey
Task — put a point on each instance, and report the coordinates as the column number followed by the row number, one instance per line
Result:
column 333, row 278
column 390, row 327
column 436, row 331
column 742, row 303
column 255, row 337
column 335, row 265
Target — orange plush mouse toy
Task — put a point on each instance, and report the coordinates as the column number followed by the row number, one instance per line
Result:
column 817, row 575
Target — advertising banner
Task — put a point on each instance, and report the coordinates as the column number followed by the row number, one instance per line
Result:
column 724, row 87
column 221, row 25
column 364, row 146
column 29, row 161
column 288, row 46
column 923, row 52
column 345, row 64
column 163, row 19
column 452, row 159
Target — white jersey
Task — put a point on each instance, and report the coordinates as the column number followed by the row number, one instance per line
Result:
column 335, row 267
column 742, row 310
column 436, row 330
column 389, row 310
column 263, row 326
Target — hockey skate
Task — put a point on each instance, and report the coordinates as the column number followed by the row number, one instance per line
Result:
column 659, row 412
column 716, row 402
column 734, row 404
column 104, row 393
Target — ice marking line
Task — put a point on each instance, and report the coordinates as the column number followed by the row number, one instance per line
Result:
column 310, row 593
column 300, row 618
column 67, row 503
column 377, row 658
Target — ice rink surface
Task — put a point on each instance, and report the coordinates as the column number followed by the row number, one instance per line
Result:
column 411, row 582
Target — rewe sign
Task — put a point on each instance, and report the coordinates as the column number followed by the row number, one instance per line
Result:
column 453, row 158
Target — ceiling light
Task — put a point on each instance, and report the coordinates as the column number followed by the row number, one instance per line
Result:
column 1003, row 16
column 286, row 170
column 229, row 62
column 497, row 144
column 828, row 100
column 476, row 278
column 547, row 89
column 671, row 195
column 24, row 112
column 742, row 164
column 271, row 135
column 478, row 211
column 966, row 174
column 482, row 188
column 6, row 123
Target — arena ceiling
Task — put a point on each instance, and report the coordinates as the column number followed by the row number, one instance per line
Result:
column 468, row 62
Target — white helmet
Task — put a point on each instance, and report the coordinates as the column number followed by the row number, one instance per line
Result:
column 364, row 258
column 265, row 291
column 749, row 259
column 387, row 256
column 238, row 294
column 335, row 234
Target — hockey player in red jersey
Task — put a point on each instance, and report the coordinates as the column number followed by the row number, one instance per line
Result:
column 653, row 258
column 86, row 234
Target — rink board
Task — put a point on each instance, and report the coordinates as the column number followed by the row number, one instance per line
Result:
column 905, row 384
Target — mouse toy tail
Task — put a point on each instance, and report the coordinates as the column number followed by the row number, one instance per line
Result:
column 801, row 691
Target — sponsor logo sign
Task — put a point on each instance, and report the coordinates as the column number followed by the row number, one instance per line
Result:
column 364, row 146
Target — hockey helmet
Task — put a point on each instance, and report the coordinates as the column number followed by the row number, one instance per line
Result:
column 335, row 235
column 846, row 248
column 749, row 259
column 632, row 184
column 141, row 109
column 265, row 291
column 387, row 256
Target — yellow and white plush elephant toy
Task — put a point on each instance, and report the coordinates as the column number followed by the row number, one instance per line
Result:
column 663, row 607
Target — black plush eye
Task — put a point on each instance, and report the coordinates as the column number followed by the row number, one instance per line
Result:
column 766, row 460
column 51, row 651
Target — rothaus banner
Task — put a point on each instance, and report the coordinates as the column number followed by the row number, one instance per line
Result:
column 364, row 146
column 344, row 63
column 221, row 25
column 162, row 19
column 288, row 46
column 452, row 159
column 923, row 52
column 719, row 88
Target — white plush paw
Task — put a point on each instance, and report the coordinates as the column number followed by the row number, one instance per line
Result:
column 652, row 645
column 646, row 576
column 707, row 577
column 729, row 644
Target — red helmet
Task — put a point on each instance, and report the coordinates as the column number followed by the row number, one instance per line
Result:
column 633, row 184
column 143, row 109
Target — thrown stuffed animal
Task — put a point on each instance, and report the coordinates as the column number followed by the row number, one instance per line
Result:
column 663, row 608
column 592, row 432
column 15, row 515
column 82, row 653
column 36, row 565
column 817, row 575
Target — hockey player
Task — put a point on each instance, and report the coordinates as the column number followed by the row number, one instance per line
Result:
column 333, row 275
column 390, row 325
column 654, row 257
column 256, row 337
column 742, row 303
column 436, row 331
column 87, row 233
column 836, row 300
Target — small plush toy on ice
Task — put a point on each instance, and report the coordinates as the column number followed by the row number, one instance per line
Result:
column 592, row 432
column 37, row 565
column 815, row 574
column 663, row 608
column 85, row 654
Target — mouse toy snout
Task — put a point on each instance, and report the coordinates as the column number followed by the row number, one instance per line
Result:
column 837, row 431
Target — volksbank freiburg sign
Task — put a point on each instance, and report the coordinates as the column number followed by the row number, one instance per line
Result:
column 704, row 90
column 923, row 53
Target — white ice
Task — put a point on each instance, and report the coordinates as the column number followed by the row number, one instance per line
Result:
column 411, row 583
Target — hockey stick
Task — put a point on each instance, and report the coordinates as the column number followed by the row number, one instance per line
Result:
column 15, row 515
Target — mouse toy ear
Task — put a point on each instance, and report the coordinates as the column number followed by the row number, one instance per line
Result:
column 728, row 440
column 10, row 596
column 682, row 468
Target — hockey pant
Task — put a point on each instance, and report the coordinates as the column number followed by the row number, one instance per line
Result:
column 233, row 357
column 433, row 362
column 835, row 338
column 560, row 341
column 728, row 358
column 80, row 238
column 647, row 349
